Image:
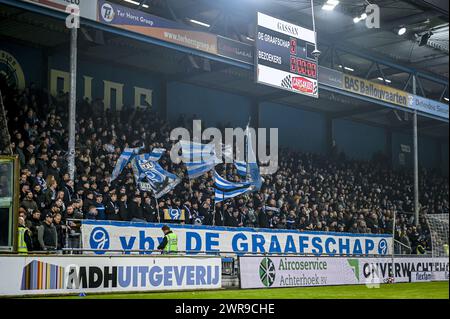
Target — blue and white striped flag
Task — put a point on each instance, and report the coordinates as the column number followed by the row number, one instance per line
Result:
column 150, row 176
column 249, row 169
column 126, row 156
column 226, row 190
column 198, row 158
column 252, row 168
column 241, row 167
column 154, row 156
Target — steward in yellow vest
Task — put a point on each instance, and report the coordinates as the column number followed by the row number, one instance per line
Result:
column 23, row 238
column 169, row 244
column 445, row 246
column 420, row 250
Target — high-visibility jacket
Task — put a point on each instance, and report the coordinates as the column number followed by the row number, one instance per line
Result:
column 420, row 250
column 21, row 244
column 172, row 243
column 446, row 249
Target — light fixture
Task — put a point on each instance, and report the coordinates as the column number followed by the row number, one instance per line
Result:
column 363, row 16
column 446, row 98
column 384, row 80
column 349, row 69
column 137, row 3
column 250, row 39
column 401, row 31
column 203, row 24
column 330, row 5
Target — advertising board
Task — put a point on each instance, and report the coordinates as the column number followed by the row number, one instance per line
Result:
column 278, row 272
column 92, row 274
column 101, row 236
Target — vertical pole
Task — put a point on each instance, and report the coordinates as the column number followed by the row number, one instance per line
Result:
column 73, row 100
column 392, row 275
column 416, row 162
column 157, row 210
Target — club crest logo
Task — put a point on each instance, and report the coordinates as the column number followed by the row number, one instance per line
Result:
column 11, row 73
column 107, row 12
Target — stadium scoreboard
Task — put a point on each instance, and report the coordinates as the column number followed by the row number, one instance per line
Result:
column 284, row 56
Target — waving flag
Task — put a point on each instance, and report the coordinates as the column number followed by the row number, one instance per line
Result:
column 226, row 190
column 150, row 176
column 126, row 156
column 198, row 158
column 249, row 169
column 241, row 168
column 154, row 156
column 252, row 166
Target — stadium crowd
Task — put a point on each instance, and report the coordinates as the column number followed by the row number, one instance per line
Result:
column 309, row 192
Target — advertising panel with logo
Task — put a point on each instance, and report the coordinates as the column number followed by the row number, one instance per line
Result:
column 145, row 237
column 284, row 56
column 428, row 106
column 376, row 91
column 278, row 272
column 82, row 274
column 155, row 27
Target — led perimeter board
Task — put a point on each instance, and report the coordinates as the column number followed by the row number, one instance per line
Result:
column 284, row 56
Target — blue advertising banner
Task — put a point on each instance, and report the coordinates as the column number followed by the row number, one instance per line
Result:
column 155, row 27
column 145, row 237
column 428, row 106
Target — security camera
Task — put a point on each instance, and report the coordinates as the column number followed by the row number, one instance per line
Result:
column 316, row 53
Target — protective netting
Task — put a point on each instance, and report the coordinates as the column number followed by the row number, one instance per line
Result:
column 438, row 225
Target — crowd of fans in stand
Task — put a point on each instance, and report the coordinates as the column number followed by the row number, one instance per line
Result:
column 308, row 193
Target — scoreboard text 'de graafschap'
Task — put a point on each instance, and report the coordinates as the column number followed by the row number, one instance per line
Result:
column 284, row 56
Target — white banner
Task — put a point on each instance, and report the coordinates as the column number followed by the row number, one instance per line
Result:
column 277, row 272
column 126, row 236
column 82, row 274
column 286, row 28
column 88, row 8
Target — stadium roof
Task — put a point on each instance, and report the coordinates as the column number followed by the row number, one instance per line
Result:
column 341, row 41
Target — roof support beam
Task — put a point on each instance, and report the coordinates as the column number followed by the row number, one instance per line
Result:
column 443, row 93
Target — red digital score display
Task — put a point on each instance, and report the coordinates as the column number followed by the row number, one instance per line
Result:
column 301, row 66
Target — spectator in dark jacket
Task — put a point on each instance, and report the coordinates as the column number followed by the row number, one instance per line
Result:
column 92, row 213
column 206, row 212
column 112, row 208
column 123, row 207
column 235, row 220
column 47, row 235
column 100, row 207
column 60, row 231
column 135, row 209
column 29, row 203
column 150, row 212
column 33, row 226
